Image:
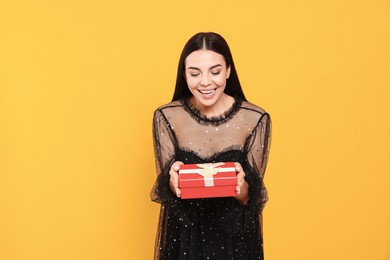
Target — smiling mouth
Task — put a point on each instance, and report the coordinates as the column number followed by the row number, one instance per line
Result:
column 207, row 92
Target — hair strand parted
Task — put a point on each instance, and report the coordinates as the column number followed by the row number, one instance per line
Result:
column 213, row 42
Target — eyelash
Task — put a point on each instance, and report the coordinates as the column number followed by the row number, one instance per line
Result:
column 214, row 73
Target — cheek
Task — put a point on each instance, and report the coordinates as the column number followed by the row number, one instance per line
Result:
column 220, row 81
column 192, row 83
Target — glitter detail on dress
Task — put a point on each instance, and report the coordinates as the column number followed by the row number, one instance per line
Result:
column 215, row 228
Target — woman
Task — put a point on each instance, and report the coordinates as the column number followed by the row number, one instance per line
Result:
column 210, row 120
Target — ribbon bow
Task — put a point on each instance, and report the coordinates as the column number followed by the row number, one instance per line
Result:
column 208, row 171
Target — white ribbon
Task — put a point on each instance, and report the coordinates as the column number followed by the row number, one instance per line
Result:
column 208, row 170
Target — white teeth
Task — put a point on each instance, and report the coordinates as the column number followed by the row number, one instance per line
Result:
column 207, row 92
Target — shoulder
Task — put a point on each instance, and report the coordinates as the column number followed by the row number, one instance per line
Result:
column 255, row 109
column 168, row 107
column 168, row 110
column 171, row 105
column 258, row 116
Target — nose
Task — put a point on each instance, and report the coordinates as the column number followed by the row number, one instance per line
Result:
column 205, row 81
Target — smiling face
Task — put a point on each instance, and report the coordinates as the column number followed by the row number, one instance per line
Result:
column 206, row 74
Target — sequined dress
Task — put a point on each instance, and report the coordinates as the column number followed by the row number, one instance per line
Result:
column 213, row 228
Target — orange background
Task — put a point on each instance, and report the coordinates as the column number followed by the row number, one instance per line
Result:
column 79, row 81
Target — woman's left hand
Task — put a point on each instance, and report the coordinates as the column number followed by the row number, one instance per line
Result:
column 242, row 185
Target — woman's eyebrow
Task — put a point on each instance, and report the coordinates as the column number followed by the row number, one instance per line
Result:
column 218, row 65
column 193, row 68
column 212, row 67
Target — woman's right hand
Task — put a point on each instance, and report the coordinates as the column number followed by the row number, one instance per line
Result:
column 174, row 178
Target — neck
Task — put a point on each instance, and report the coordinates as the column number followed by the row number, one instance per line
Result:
column 217, row 109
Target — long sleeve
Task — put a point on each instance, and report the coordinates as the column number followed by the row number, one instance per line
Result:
column 164, row 150
column 197, row 228
column 258, row 146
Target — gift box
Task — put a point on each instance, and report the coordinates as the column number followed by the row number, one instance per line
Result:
column 207, row 180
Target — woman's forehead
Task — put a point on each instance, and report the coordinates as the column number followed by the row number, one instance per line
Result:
column 204, row 59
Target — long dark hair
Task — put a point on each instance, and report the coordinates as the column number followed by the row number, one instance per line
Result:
column 213, row 42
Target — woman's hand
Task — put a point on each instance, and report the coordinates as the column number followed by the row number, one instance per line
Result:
column 174, row 179
column 242, row 185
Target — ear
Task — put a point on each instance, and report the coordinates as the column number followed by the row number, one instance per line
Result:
column 228, row 72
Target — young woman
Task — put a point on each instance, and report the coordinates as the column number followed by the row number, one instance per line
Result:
column 209, row 120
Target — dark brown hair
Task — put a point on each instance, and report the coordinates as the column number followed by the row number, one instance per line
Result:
column 213, row 42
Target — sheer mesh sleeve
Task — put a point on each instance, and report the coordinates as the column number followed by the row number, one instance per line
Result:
column 257, row 148
column 196, row 228
column 239, row 217
column 164, row 150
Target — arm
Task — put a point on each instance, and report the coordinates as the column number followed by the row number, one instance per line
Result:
column 164, row 142
column 257, row 147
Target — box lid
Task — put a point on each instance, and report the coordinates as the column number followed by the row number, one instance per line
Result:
column 207, row 175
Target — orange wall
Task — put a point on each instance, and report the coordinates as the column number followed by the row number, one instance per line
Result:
column 79, row 81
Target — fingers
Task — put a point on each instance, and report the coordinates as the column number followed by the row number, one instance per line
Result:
column 240, row 177
column 239, row 168
column 176, row 166
column 238, row 190
column 240, row 173
column 174, row 178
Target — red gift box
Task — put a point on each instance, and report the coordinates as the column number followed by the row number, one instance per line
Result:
column 207, row 180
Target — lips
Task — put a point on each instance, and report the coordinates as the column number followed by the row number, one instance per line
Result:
column 207, row 92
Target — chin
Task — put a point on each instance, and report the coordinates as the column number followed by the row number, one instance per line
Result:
column 207, row 102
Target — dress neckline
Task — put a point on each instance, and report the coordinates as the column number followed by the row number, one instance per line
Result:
column 215, row 120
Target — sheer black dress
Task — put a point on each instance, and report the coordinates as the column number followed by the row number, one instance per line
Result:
column 213, row 228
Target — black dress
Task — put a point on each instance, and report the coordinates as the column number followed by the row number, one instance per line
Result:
column 213, row 228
